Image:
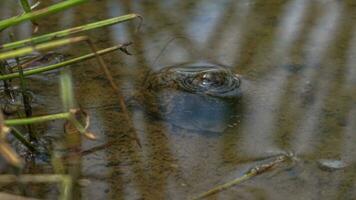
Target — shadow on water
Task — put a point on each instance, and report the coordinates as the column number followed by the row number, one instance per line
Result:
column 297, row 62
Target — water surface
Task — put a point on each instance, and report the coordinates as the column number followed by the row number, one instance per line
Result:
column 297, row 60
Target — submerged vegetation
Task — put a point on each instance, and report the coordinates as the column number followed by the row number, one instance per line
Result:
column 22, row 58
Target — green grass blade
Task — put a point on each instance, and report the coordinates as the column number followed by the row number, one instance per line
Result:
column 40, row 13
column 66, row 88
column 32, row 120
column 26, row 6
column 40, row 47
column 67, row 32
column 59, row 65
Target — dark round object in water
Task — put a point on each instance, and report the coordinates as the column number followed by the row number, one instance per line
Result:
column 195, row 96
column 198, row 78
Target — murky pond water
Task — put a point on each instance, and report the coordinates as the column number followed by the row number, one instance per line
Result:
column 297, row 61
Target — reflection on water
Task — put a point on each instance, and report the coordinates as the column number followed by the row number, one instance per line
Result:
column 297, row 59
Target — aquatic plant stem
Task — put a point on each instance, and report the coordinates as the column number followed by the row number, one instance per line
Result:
column 26, row 6
column 18, row 135
column 67, row 32
column 41, row 47
column 61, row 64
column 66, row 88
column 39, row 13
column 25, row 96
column 32, row 120
column 49, row 45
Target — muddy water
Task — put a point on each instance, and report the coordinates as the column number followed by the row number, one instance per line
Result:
column 298, row 67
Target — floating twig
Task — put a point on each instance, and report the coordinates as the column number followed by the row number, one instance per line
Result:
column 248, row 175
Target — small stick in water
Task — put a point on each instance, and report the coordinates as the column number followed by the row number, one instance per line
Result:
column 248, row 175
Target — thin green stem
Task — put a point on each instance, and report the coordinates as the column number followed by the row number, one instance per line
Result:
column 18, row 135
column 40, row 47
column 40, row 13
column 66, row 85
column 67, row 32
column 66, row 188
column 32, row 120
column 26, row 6
column 61, row 64
column 25, row 96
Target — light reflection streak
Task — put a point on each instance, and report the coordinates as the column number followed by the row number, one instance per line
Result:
column 67, row 19
column 349, row 151
column 259, row 137
column 6, row 11
column 290, row 27
column 260, row 127
column 346, row 181
column 119, row 32
column 95, row 164
column 349, row 147
column 24, row 30
column 201, row 23
column 234, row 34
column 351, row 64
column 305, row 136
column 322, row 36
